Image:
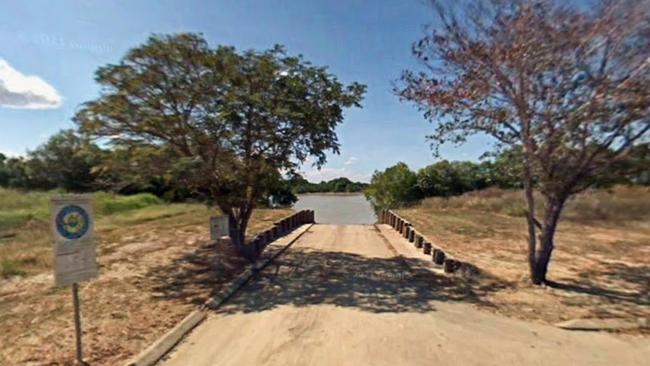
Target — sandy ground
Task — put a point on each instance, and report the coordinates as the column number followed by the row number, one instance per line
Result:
column 152, row 274
column 603, row 267
column 348, row 295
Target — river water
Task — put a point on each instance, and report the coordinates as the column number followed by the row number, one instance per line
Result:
column 333, row 209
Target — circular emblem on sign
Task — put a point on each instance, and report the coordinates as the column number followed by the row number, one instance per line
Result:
column 72, row 222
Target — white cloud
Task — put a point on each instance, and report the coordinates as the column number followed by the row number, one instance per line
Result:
column 351, row 160
column 10, row 153
column 18, row 90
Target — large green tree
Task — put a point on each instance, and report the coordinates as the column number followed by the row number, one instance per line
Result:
column 394, row 187
column 65, row 161
column 233, row 119
column 569, row 86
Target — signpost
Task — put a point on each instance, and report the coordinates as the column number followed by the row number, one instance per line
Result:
column 75, row 258
column 218, row 227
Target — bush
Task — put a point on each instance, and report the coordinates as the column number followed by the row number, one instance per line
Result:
column 394, row 187
column 109, row 204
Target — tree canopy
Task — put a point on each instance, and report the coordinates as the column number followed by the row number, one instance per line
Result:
column 232, row 119
column 569, row 86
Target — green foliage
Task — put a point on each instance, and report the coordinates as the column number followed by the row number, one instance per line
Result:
column 340, row 185
column 109, row 204
column 452, row 178
column 396, row 186
column 17, row 208
column 10, row 268
column 230, row 120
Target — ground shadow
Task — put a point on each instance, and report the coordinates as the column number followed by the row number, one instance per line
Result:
column 593, row 282
column 195, row 276
column 304, row 276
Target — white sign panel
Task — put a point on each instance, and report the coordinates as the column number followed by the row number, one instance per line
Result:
column 73, row 220
column 218, row 227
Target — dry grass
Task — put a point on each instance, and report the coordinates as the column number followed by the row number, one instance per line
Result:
column 602, row 251
column 156, row 263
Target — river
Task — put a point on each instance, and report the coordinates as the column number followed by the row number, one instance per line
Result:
column 338, row 209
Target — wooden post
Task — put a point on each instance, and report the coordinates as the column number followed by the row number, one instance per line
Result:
column 407, row 229
column 451, row 265
column 427, row 248
column 438, row 256
column 77, row 322
column 262, row 240
column 419, row 243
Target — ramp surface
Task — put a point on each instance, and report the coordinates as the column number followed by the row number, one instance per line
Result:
column 341, row 295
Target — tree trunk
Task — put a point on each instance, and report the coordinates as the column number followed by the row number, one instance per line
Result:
column 530, row 223
column 238, row 224
column 543, row 253
column 530, row 217
column 236, row 232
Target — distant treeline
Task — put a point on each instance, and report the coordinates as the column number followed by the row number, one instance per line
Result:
column 73, row 164
column 398, row 185
column 70, row 163
column 339, row 185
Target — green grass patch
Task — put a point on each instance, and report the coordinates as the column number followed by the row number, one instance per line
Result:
column 18, row 208
column 110, row 204
column 10, row 268
column 617, row 205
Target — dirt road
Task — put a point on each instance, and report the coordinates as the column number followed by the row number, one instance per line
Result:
column 341, row 295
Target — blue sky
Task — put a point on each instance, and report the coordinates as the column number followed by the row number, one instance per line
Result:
column 60, row 45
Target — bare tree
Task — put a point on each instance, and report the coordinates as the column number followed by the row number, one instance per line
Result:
column 571, row 86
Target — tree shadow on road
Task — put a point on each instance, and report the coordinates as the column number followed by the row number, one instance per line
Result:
column 304, row 276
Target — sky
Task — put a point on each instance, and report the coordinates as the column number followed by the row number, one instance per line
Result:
column 50, row 50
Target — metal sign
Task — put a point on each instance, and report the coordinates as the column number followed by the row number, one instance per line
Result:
column 75, row 257
column 74, row 240
column 218, row 227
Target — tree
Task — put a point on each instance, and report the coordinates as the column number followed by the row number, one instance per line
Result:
column 65, row 161
column 234, row 119
column 4, row 171
column 506, row 169
column 438, row 179
column 396, row 186
column 570, row 87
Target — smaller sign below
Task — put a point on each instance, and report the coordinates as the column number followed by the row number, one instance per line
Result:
column 218, row 227
column 77, row 266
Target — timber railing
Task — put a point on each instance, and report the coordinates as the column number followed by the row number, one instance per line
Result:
column 280, row 228
column 406, row 229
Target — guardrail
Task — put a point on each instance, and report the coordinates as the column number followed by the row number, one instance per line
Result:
column 406, row 229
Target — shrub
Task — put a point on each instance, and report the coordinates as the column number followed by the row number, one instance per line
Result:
column 109, row 204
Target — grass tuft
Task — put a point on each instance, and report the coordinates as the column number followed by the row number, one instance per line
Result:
column 110, row 204
column 10, row 268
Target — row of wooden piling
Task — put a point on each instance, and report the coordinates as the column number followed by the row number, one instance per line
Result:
column 281, row 228
column 406, row 229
